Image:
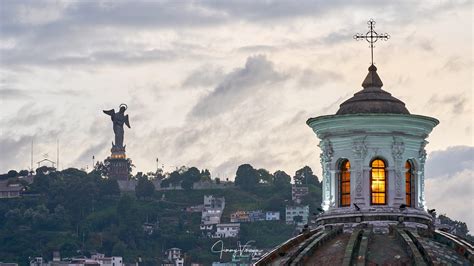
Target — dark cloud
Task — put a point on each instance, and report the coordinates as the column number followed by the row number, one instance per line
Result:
column 241, row 83
column 55, row 33
column 449, row 162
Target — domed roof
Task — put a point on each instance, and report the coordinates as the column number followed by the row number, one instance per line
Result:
column 372, row 99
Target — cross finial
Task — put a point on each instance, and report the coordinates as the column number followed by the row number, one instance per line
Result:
column 371, row 37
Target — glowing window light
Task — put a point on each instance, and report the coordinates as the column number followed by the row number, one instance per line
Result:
column 345, row 184
column 378, row 183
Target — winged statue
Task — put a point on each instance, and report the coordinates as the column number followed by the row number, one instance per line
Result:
column 119, row 119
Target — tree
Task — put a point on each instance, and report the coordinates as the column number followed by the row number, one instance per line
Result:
column 264, row 176
column 246, row 176
column 205, row 175
column 165, row 183
column 109, row 186
column 23, row 173
column 305, row 176
column 12, row 173
column 175, row 178
column 457, row 227
column 189, row 177
column 119, row 249
column 144, row 188
column 281, row 179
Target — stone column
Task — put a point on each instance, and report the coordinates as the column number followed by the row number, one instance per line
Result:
column 326, row 158
column 359, row 151
column 398, row 148
column 421, row 176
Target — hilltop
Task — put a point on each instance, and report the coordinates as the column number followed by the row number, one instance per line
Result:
column 78, row 213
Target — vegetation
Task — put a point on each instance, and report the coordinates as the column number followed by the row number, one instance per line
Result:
column 78, row 213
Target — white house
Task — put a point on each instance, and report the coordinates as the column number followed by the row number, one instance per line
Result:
column 272, row 216
column 292, row 212
column 174, row 257
column 227, row 230
column 107, row 261
column 211, row 202
column 212, row 210
column 96, row 259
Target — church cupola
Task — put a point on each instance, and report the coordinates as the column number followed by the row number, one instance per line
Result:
column 372, row 99
column 373, row 156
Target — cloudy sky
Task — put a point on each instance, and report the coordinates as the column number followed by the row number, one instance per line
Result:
column 215, row 84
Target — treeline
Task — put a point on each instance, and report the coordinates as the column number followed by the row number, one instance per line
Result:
column 78, row 213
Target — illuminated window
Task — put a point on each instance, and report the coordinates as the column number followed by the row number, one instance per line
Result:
column 378, row 184
column 408, row 184
column 345, row 184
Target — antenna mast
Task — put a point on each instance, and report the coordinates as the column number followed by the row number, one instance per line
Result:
column 31, row 166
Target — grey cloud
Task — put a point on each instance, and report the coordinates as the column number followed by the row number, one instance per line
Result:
column 29, row 115
column 337, row 37
column 457, row 63
column 20, row 94
column 257, row 48
column 457, row 102
column 14, row 151
column 85, row 156
column 452, row 196
column 334, row 106
column 238, row 85
column 90, row 32
column 426, row 45
column 203, row 76
column 311, row 79
column 449, row 162
column 25, row 56
column 136, row 14
column 13, row 94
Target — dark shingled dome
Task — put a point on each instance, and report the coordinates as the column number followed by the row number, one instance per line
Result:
column 372, row 99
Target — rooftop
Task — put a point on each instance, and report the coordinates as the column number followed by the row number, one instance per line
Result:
column 372, row 99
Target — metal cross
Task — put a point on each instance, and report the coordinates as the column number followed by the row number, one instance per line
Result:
column 371, row 37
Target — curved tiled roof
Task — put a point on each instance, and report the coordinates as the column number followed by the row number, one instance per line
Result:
column 372, row 99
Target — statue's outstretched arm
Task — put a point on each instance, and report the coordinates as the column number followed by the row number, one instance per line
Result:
column 109, row 112
column 127, row 122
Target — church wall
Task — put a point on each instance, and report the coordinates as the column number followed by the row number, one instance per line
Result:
column 360, row 147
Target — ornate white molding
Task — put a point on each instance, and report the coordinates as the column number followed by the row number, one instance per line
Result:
column 398, row 148
column 326, row 158
column 359, row 149
column 421, row 174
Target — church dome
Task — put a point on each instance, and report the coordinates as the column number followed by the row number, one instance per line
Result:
column 372, row 99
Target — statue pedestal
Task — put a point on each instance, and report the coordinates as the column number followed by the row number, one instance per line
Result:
column 118, row 164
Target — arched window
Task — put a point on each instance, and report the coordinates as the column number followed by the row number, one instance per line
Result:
column 378, row 183
column 409, row 184
column 345, row 184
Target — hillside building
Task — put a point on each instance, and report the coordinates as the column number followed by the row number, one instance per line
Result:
column 294, row 212
column 227, row 230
